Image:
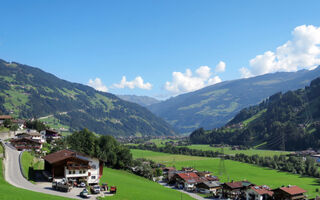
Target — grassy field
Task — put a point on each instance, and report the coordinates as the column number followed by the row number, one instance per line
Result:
column 1, row 149
column 55, row 124
column 132, row 187
column 236, row 171
column 9, row 192
column 161, row 142
column 29, row 161
column 228, row 150
column 3, row 129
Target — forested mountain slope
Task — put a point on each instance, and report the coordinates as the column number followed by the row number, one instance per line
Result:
column 215, row 105
column 141, row 100
column 28, row 92
column 289, row 121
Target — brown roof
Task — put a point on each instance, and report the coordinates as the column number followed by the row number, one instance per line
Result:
column 238, row 184
column 262, row 190
column 190, row 177
column 292, row 190
column 5, row 117
column 62, row 155
column 25, row 138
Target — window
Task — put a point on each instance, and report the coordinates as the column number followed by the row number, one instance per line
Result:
column 69, row 172
column 93, row 177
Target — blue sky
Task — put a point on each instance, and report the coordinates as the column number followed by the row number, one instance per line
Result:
column 83, row 40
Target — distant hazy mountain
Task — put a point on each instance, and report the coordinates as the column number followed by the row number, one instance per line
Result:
column 215, row 105
column 141, row 100
column 28, row 92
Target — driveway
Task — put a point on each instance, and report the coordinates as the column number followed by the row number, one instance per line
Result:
column 14, row 176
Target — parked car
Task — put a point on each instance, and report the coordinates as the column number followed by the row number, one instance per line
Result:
column 82, row 184
column 84, row 193
column 95, row 189
column 113, row 189
column 61, row 186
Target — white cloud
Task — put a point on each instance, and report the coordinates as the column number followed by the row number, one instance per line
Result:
column 98, row 85
column 136, row 83
column 302, row 52
column 221, row 67
column 187, row 82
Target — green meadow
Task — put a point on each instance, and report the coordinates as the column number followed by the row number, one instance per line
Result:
column 132, row 187
column 229, row 151
column 9, row 192
column 234, row 170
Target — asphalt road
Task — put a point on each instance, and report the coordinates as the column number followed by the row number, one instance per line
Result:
column 14, row 176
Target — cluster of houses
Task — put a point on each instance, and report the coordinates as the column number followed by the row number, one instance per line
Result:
column 33, row 140
column 192, row 180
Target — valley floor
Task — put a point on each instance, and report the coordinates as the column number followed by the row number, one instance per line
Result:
column 234, row 170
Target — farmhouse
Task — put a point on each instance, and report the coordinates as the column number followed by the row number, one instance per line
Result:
column 26, row 143
column 207, row 187
column 73, row 165
column 187, row 180
column 4, row 117
column 290, row 192
column 235, row 190
column 50, row 134
column 259, row 193
column 33, row 135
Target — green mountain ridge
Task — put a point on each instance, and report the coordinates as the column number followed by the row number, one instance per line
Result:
column 286, row 121
column 141, row 100
column 28, row 92
column 214, row 106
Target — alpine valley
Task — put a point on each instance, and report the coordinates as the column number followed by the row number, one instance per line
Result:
column 28, row 92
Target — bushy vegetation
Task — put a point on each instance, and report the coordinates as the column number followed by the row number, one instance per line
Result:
column 29, row 92
column 289, row 121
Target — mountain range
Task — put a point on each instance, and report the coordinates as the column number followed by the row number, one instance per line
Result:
column 286, row 121
column 216, row 105
column 28, row 92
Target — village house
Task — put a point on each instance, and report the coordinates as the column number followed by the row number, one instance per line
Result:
column 26, row 143
column 235, row 190
column 31, row 134
column 167, row 173
column 4, row 117
column 259, row 193
column 50, row 134
column 209, row 187
column 290, row 192
column 187, row 180
column 187, row 169
column 74, row 166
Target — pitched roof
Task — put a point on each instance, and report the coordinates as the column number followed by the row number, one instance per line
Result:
column 212, row 184
column 262, row 190
column 292, row 190
column 238, row 184
column 190, row 177
column 25, row 138
column 5, row 117
column 62, row 155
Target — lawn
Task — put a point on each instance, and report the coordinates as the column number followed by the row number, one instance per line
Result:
column 9, row 192
column 229, row 151
column 132, row 187
column 239, row 171
column 28, row 161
